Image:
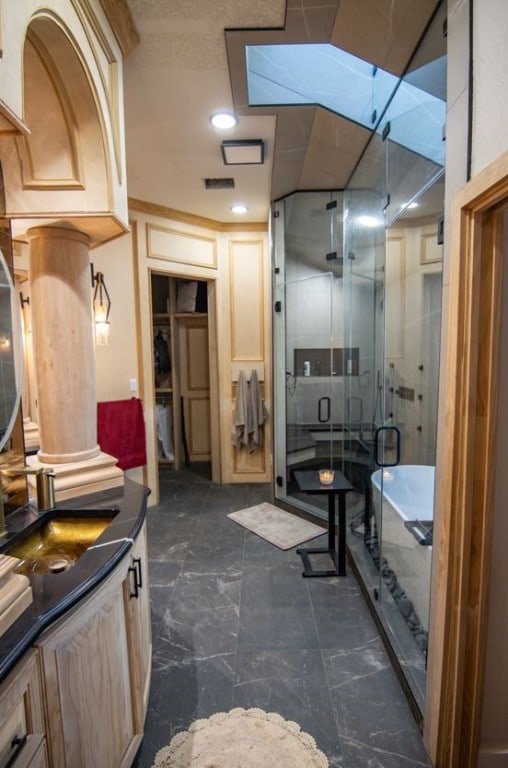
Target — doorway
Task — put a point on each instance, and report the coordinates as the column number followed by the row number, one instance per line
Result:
column 467, row 669
column 183, row 373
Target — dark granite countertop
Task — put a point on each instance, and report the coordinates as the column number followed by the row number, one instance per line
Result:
column 54, row 593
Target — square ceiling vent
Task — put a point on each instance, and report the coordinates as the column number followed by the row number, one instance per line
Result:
column 243, row 152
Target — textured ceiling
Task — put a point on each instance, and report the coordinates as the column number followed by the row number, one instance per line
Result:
column 187, row 66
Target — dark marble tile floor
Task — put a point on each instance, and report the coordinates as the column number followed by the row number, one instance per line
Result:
column 236, row 625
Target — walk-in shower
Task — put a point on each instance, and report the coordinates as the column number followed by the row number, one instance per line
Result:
column 357, row 300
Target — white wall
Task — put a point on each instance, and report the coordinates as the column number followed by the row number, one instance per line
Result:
column 490, row 61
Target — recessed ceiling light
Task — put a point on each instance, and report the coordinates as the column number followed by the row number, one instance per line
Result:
column 223, row 120
column 412, row 205
column 239, row 208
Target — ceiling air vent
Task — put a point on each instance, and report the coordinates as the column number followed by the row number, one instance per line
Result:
column 219, row 183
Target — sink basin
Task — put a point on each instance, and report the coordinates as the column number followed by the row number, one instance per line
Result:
column 56, row 543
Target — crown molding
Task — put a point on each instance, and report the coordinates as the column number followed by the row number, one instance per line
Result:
column 122, row 24
column 153, row 209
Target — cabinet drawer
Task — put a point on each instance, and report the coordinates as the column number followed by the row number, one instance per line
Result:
column 21, row 712
column 31, row 753
column 13, row 728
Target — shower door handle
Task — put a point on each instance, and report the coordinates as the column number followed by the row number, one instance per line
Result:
column 381, row 437
column 321, row 418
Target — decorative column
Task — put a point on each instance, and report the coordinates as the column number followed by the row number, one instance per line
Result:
column 64, row 362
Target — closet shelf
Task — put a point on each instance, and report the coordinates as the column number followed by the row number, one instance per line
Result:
column 179, row 315
column 164, row 390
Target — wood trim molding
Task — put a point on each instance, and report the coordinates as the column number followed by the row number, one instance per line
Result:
column 465, row 472
column 153, row 209
column 10, row 123
column 122, row 24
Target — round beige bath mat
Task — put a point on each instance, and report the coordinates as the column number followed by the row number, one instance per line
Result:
column 242, row 738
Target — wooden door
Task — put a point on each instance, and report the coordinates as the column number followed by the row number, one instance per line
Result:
column 195, row 384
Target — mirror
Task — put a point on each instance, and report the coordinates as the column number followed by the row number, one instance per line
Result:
column 11, row 354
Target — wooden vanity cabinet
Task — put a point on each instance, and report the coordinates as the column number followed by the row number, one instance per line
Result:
column 139, row 628
column 22, row 742
column 96, row 670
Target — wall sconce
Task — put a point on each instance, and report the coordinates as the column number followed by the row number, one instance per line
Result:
column 101, row 308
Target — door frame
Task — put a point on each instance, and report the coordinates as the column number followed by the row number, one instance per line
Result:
column 189, row 274
column 465, row 469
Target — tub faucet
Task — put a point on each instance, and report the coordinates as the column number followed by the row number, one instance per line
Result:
column 44, row 483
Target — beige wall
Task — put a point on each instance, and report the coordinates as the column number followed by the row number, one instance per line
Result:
column 119, row 361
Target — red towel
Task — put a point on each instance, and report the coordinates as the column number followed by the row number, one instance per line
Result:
column 121, row 431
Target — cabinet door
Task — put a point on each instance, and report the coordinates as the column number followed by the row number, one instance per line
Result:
column 193, row 363
column 21, row 712
column 139, row 632
column 87, row 676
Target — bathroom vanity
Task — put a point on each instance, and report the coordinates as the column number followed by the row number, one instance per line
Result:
column 75, row 667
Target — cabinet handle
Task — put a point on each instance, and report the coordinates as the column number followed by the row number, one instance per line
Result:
column 139, row 577
column 134, row 570
column 17, row 745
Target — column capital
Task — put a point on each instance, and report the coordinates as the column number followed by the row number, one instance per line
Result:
column 58, row 231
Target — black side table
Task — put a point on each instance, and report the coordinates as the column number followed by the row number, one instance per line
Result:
column 308, row 482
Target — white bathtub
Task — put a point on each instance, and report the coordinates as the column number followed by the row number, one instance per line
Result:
column 408, row 495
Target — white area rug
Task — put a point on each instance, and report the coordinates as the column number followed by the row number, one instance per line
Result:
column 276, row 525
column 242, row 738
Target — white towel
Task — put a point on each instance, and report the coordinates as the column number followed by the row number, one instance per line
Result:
column 163, row 418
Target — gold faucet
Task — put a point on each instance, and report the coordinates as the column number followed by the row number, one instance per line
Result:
column 44, row 481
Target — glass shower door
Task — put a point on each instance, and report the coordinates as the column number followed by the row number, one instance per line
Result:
column 311, row 395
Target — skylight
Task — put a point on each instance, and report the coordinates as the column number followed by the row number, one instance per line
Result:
column 325, row 75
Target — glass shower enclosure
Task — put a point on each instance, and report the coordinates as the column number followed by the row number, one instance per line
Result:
column 307, row 328
column 357, row 318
